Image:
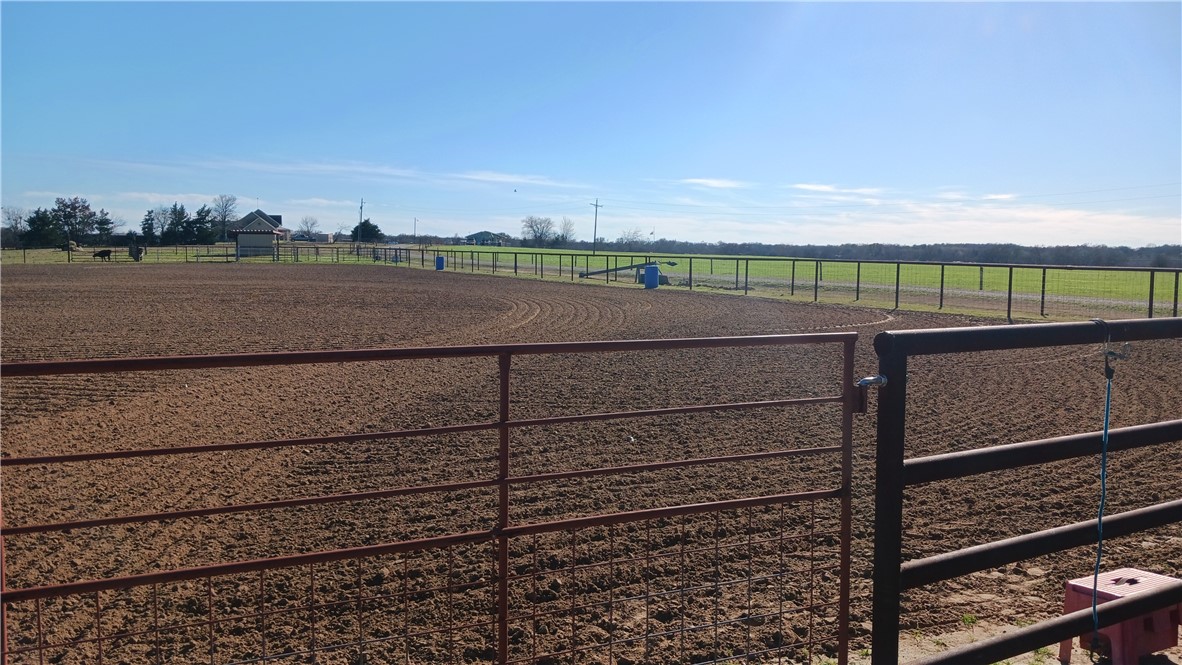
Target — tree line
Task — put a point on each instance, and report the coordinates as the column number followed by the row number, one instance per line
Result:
column 69, row 220
column 175, row 225
column 542, row 232
column 73, row 219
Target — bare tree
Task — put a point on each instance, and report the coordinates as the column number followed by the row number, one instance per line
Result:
column 14, row 225
column 162, row 216
column 309, row 226
column 631, row 240
column 537, row 230
column 225, row 212
column 566, row 233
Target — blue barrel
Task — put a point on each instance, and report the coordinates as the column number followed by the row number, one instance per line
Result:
column 439, row 262
column 652, row 277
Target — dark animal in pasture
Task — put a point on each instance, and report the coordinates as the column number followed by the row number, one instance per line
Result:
column 136, row 253
column 104, row 254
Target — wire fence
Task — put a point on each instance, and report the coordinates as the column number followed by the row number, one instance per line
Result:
column 1028, row 292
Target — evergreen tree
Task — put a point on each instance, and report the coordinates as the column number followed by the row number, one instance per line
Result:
column 42, row 230
column 174, row 226
column 149, row 228
column 74, row 217
column 104, row 227
column 367, row 231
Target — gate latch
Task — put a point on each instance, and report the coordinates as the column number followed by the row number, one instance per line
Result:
column 863, row 388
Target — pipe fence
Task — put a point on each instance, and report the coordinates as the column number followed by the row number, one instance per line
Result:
column 1015, row 291
column 731, row 580
column 894, row 473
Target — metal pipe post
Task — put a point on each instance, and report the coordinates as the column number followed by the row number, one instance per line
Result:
column 1152, row 283
column 504, row 362
column 898, row 271
column 1042, row 301
column 888, row 502
column 1010, row 296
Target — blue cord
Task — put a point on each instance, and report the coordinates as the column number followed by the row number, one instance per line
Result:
column 1108, row 372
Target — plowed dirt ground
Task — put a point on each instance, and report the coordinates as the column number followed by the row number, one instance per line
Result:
column 84, row 311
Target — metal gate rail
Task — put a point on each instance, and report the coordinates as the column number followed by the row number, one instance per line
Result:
column 894, row 472
column 498, row 539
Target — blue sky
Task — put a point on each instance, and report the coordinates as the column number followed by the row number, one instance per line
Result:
column 1037, row 124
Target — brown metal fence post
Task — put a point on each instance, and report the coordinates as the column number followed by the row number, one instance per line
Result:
column 816, row 280
column 850, row 394
column 746, row 273
column 736, row 274
column 858, row 284
column 792, row 286
column 942, row 267
column 691, row 282
column 505, row 361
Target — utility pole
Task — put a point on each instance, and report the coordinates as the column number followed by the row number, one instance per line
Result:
column 595, row 228
column 415, row 232
column 360, row 215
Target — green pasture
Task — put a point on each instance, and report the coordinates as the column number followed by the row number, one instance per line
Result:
column 1097, row 283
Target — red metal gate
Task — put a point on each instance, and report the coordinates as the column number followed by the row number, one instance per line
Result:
column 757, row 578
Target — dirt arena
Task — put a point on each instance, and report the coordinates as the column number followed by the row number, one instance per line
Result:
column 100, row 311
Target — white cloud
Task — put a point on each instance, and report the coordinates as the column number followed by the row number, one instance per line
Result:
column 814, row 188
column 510, row 179
column 320, row 203
column 162, row 198
column 832, row 189
column 715, row 183
column 998, row 197
column 381, row 172
column 356, row 169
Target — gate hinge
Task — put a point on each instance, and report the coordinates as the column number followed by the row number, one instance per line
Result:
column 863, row 386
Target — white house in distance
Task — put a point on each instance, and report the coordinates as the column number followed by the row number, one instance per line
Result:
column 258, row 234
